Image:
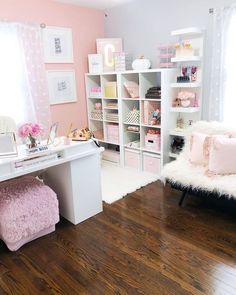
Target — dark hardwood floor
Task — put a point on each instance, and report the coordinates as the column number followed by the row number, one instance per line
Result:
column 143, row 244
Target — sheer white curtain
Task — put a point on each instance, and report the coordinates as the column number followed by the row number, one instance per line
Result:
column 23, row 91
column 222, row 100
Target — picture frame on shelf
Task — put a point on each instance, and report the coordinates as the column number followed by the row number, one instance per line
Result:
column 107, row 47
column 95, row 63
column 58, row 45
column 8, row 146
column 61, row 86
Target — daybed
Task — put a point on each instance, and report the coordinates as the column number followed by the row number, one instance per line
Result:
column 189, row 178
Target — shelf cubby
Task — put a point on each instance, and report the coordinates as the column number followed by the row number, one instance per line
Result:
column 129, row 77
column 148, row 80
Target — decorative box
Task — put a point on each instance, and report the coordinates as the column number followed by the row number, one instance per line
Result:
column 133, row 117
column 132, row 89
column 151, row 163
column 95, row 92
column 166, row 52
column 122, row 61
column 132, row 158
column 110, row 89
column 97, row 114
column 153, row 142
column 112, row 133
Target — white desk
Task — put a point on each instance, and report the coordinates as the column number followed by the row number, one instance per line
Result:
column 72, row 171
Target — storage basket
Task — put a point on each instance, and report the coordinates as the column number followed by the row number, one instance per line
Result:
column 133, row 117
column 97, row 114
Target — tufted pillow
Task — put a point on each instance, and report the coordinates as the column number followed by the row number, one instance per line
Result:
column 222, row 155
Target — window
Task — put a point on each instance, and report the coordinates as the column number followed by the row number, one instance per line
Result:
column 11, row 75
column 23, row 92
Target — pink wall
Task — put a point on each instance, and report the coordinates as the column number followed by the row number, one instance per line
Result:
column 87, row 25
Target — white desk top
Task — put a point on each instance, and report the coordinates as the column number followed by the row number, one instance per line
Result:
column 12, row 167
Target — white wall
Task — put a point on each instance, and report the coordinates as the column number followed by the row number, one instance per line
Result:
column 144, row 24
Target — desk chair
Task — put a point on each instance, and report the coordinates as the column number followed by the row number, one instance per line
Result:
column 7, row 124
column 28, row 208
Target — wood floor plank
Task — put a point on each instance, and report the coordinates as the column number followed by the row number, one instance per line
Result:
column 143, row 244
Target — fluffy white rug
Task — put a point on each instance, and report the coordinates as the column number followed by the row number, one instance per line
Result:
column 117, row 181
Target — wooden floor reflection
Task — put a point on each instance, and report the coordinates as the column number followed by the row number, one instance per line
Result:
column 143, row 244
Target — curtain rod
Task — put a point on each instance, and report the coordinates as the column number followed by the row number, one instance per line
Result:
column 42, row 25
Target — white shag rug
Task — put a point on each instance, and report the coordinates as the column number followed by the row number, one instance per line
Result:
column 117, row 181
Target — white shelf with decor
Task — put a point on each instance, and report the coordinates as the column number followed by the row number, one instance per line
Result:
column 186, row 103
column 139, row 103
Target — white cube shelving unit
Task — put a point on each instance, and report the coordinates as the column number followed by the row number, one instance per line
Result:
column 145, row 79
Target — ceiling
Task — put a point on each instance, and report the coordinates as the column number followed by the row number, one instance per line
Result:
column 99, row 4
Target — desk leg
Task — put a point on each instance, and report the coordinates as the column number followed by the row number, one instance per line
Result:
column 78, row 187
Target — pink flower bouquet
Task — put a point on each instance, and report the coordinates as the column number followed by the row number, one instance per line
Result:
column 30, row 131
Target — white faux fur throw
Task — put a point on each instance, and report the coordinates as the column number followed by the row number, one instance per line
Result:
column 182, row 172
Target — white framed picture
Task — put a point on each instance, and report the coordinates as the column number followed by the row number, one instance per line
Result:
column 95, row 63
column 61, row 86
column 58, row 45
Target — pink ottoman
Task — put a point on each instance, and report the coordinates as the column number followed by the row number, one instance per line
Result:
column 28, row 210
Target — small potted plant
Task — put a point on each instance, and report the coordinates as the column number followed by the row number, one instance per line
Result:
column 30, row 132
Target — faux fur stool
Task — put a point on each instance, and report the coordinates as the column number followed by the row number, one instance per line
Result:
column 28, row 210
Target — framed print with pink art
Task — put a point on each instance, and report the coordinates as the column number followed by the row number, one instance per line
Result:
column 107, row 47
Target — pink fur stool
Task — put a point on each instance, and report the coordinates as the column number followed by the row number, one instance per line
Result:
column 28, row 210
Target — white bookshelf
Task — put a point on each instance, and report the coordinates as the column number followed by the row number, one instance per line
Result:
column 145, row 79
column 195, row 36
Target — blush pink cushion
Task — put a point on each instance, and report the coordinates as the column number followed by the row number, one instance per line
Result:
column 222, row 156
column 27, row 209
column 197, row 155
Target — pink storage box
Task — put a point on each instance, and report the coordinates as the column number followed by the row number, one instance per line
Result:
column 113, row 133
column 112, row 156
column 151, row 163
column 153, row 141
column 132, row 159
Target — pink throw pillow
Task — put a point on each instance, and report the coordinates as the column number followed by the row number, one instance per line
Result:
column 197, row 148
column 222, row 156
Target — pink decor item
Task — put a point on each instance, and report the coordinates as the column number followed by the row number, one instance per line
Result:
column 28, row 210
column 113, row 133
column 153, row 142
column 151, row 164
column 132, row 89
column 132, row 159
column 222, row 157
